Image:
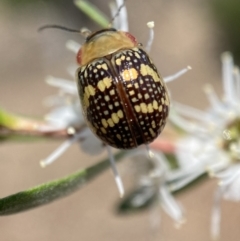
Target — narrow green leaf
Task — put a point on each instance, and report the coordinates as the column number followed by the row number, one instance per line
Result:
column 92, row 12
column 53, row 190
column 6, row 119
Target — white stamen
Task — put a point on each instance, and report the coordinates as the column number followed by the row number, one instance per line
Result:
column 236, row 75
column 222, row 174
column 113, row 10
column 230, row 179
column 191, row 112
column 149, row 152
column 216, row 215
column 212, row 97
column 123, row 19
column 177, row 75
column 66, row 85
column 188, row 126
column 73, row 46
column 228, row 82
column 178, row 184
column 118, row 179
column 185, row 171
column 60, row 150
column 216, row 167
column 151, row 36
column 171, row 206
column 54, row 100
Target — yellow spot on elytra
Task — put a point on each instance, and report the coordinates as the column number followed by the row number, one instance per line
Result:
column 103, row 130
column 110, row 122
column 104, row 66
column 137, row 108
column 137, row 55
column 139, row 95
column 153, row 124
column 112, row 92
column 147, row 70
column 106, row 97
column 115, row 118
column 162, row 100
column 146, row 96
column 155, row 105
column 99, row 66
column 104, row 123
column 122, row 57
column 85, row 101
column 95, row 71
column 105, row 83
column 134, row 99
column 129, row 74
column 143, row 107
column 119, row 137
column 150, row 108
column 120, row 114
column 91, row 90
column 118, row 61
column 88, row 91
column 152, row 132
column 160, row 108
column 101, row 86
column 144, row 69
column 131, row 92
column 136, row 85
column 82, row 69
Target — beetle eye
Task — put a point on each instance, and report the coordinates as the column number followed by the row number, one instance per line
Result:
column 79, row 57
column 131, row 37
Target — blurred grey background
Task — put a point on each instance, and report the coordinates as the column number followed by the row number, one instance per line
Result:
column 191, row 32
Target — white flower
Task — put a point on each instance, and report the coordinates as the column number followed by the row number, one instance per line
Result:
column 150, row 178
column 213, row 140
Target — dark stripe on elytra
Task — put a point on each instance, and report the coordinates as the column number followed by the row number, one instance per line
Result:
column 135, row 128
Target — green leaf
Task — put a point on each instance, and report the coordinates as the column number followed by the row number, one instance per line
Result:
column 53, row 190
column 92, row 12
column 7, row 120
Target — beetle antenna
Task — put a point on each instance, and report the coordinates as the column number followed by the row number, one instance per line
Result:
column 117, row 13
column 58, row 27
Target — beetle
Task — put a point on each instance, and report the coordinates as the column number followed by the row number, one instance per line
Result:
column 124, row 98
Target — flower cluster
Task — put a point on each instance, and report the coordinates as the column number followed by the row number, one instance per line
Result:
column 66, row 113
column 212, row 142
